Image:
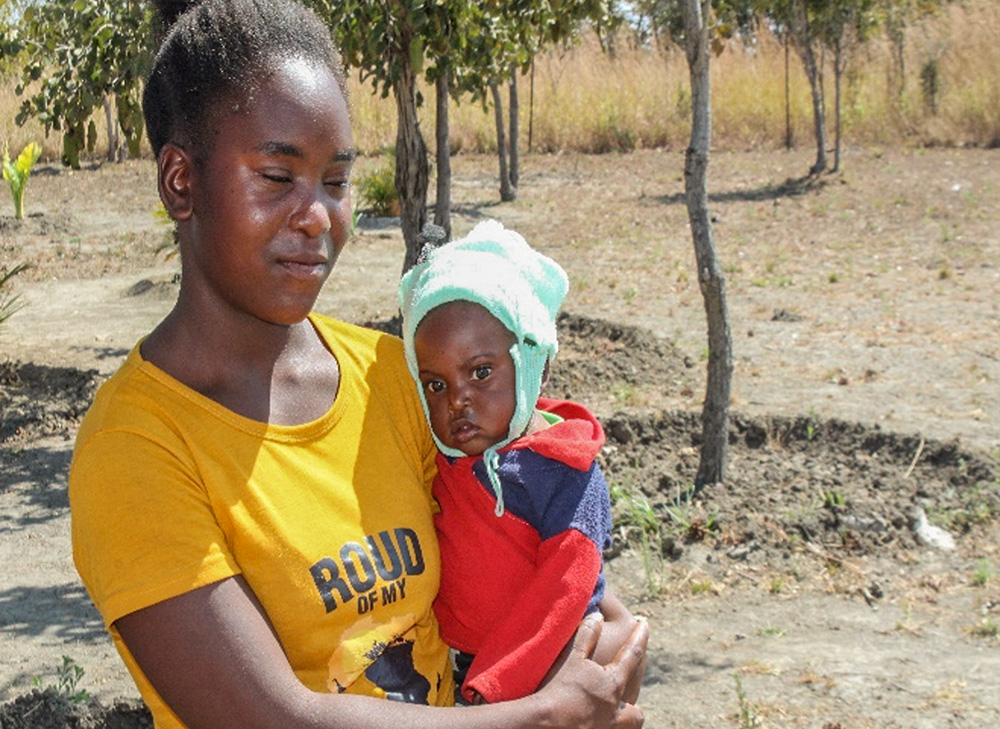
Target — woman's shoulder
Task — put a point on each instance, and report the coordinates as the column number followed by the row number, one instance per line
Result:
column 363, row 344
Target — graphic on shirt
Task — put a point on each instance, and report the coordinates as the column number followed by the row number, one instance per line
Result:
column 387, row 556
column 383, row 653
column 393, row 672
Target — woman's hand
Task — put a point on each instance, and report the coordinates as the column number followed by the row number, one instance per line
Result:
column 590, row 696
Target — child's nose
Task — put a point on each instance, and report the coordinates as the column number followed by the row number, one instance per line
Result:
column 458, row 397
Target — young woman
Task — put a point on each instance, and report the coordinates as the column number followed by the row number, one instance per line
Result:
column 250, row 492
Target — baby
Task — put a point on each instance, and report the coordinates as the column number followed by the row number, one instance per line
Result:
column 524, row 508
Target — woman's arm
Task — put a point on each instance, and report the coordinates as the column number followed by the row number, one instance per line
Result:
column 212, row 656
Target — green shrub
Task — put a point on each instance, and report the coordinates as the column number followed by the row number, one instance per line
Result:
column 377, row 189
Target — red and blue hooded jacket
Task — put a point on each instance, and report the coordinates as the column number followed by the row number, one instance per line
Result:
column 514, row 588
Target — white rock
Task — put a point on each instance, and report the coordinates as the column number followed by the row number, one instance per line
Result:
column 931, row 535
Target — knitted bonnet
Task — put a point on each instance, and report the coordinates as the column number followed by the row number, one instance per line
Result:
column 497, row 269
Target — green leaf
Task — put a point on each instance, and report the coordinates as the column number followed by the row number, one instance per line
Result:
column 417, row 54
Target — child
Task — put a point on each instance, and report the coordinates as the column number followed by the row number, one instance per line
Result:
column 524, row 509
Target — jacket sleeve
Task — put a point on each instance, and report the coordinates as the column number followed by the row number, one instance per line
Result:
column 522, row 647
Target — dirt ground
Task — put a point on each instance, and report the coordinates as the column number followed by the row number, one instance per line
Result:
column 803, row 592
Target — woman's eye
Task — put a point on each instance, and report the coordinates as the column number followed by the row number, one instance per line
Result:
column 482, row 372
column 276, row 177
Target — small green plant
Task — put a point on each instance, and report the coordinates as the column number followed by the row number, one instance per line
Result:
column 771, row 631
column 626, row 394
column 9, row 303
column 702, row 587
column 985, row 628
column 16, row 173
column 982, row 574
column 747, row 716
column 377, row 188
column 68, row 677
column 638, row 521
column 833, row 499
column 356, row 216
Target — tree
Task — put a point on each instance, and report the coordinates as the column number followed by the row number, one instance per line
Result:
column 386, row 42
column 711, row 279
column 86, row 55
column 844, row 24
column 895, row 16
column 519, row 30
column 797, row 20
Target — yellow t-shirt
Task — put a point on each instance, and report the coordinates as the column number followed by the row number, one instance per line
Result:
column 329, row 522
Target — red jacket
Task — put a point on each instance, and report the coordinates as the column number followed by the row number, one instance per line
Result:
column 515, row 588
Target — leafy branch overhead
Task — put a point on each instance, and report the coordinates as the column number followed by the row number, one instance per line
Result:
column 79, row 56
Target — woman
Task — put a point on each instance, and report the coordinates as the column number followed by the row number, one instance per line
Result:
column 250, row 492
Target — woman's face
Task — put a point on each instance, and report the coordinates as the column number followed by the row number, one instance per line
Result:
column 467, row 375
column 270, row 201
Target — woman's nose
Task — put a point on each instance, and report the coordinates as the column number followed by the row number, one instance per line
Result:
column 313, row 218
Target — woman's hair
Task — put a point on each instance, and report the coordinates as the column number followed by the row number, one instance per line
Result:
column 215, row 55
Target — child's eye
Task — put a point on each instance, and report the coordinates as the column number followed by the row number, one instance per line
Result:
column 482, row 372
column 434, row 386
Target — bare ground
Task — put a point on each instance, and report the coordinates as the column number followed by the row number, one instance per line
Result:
column 866, row 323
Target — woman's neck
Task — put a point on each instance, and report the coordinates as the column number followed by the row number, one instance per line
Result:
column 275, row 373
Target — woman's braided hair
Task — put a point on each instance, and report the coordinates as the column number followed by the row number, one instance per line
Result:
column 215, row 55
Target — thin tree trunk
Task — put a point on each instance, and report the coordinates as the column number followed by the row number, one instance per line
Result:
column 507, row 191
column 715, row 414
column 838, row 73
column 442, row 204
column 805, row 46
column 412, row 174
column 531, row 106
column 788, row 95
column 112, row 126
column 515, row 131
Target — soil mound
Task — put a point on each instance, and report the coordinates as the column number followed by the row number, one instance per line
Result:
column 796, row 485
column 38, row 400
column 53, row 710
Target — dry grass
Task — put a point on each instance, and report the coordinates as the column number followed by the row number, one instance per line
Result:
column 587, row 101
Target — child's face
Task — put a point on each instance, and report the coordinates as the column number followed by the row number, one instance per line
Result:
column 467, row 374
column 270, row 202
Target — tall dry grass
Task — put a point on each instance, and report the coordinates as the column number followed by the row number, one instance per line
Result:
column 584, row 100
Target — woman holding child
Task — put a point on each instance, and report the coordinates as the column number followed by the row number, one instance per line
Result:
column 251, row 491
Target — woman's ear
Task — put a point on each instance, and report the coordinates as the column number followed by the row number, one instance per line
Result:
column 174, row 169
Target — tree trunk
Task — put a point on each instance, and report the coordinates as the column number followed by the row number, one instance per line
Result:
column 515, row 131
column 112, row 125
column 412, row 174
column 715, row 414
column 507, row 191
column 531, row 106
column 442, row 204
column 838, row 74
column 805, row 46
column 788, row 95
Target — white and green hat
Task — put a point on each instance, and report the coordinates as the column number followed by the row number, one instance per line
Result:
column 497, row 269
